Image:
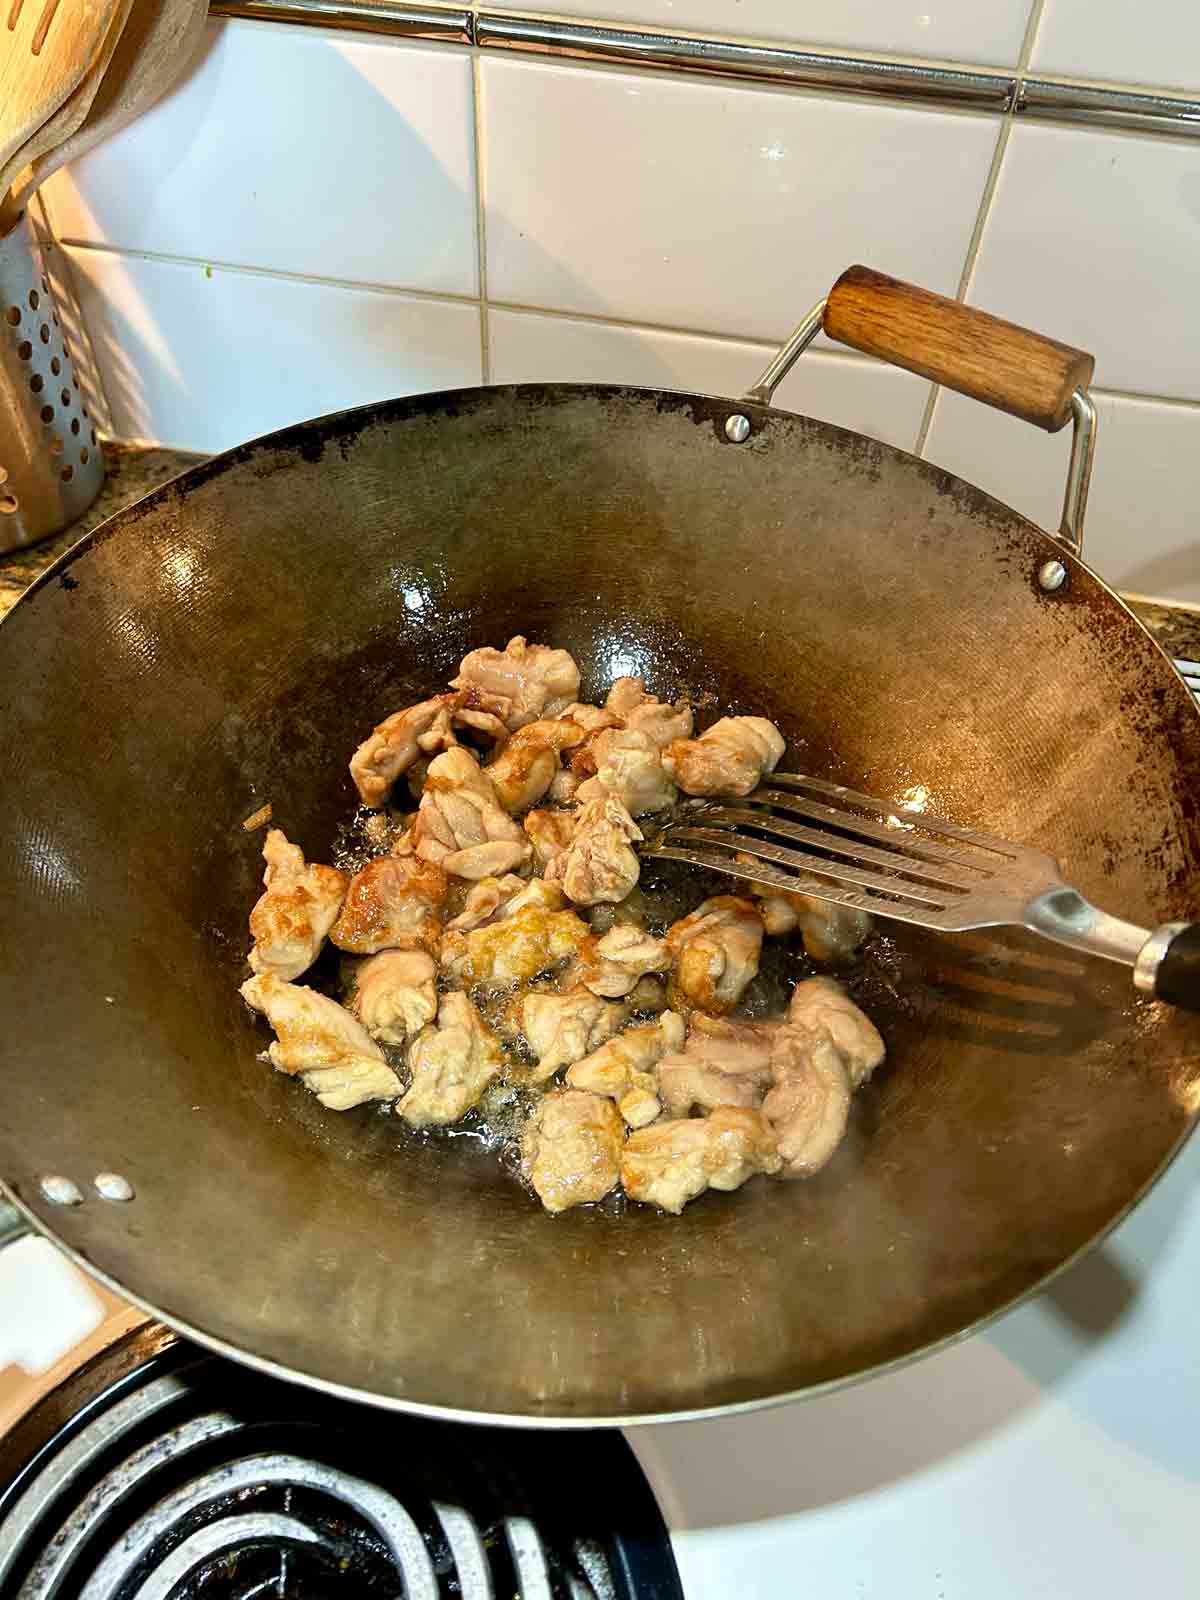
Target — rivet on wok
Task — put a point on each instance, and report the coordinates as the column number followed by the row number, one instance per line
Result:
column 112, row 1186
column 737, row 428
column 61, row 1191
column 1051, row 575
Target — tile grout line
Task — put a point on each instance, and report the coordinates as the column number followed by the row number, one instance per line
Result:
column 485, row 336
column 967, row 276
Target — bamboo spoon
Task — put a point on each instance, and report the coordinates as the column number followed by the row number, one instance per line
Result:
column 46, row 48
column 160, row 40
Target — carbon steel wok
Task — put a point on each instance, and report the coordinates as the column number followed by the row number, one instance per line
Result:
column 231, row 638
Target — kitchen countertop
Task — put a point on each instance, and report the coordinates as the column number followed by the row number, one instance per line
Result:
column 134, row 470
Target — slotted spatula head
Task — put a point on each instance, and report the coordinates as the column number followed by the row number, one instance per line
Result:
column 809, row 836
column 46, row 49
column 805, row 835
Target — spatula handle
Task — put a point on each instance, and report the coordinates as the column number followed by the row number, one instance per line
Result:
column 978, row 355
column 1168, row 965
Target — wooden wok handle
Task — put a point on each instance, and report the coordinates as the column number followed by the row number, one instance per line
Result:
column 978, row 355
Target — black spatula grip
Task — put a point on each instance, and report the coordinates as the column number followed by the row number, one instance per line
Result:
column 1177, row 980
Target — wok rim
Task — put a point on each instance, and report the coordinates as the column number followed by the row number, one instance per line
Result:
column 400, row 408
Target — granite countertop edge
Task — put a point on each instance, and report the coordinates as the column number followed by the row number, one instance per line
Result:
column 134, row 470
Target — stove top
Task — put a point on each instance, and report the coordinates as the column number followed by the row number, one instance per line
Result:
column 155, row 1472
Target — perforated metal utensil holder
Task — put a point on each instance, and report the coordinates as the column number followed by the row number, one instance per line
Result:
column 51, row 468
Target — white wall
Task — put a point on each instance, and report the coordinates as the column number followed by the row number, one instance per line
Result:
column 316, row 219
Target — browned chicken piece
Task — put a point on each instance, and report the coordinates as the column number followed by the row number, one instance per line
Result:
column 830, row 931
column 393, row 902
column 452, row 1062
column 809, row 1105
column 571, row 1149
column 320, row 1040
column 396, row 994
column 729, row 758
column 484, row 900
column 724, row 1063
column 397, row 742
column 300, row 904
column 612, row 964
column 460, row 824
column 629, row 766
column 515, row 947
column 670, row 1163
column 536, row 892
column 821, row 1004
column 564, row 786
column 550, row 833
column 592, row 719
column 563, row 1028
column 716, row 952
column 527, row 765
column 599, row 865
column 521, row 682
column 645, row 713
column 621, row 1068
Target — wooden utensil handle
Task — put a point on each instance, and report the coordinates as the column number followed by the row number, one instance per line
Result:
column 978, row 355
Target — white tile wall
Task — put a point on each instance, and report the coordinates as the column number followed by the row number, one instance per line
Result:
column 986, row 31
column 656, row 229
column 1094, row 237
column 205, row 361
column 852, row 392
column 1152, row 42
column 712, row 208
column 1142, row 531
column 299, row 151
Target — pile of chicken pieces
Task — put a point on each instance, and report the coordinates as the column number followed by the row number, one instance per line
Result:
column 643, row 1078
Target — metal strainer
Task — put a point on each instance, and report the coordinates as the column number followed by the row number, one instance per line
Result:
column 51, row 467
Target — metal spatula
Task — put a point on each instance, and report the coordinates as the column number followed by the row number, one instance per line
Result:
column 809, row 836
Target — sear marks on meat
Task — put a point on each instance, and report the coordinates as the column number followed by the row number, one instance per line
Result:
column 571, row 1149
column 406, row 741
column 723, row 1064
column 517, row 946
column 521, row 682
column 621, row 1068
column 629, row 766
column 460, row 825
column 729, row 758
column 320, row 1040
column 527, row 765
column 644, row 713
column 822, row 1005
column 392, row 902
column 809, row 1105
column 563, row 1028
column 550, row 834
column 670, row 1163
column 599, row 864
column 716, row 951
column 396, row 994
column 612, row 964
column 484, row 900
column 296, row 911
column 452, row 1062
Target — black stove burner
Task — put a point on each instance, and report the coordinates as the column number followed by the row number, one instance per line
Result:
column 158, row 1473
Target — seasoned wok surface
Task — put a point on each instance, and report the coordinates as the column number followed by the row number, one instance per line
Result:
column 228, row 640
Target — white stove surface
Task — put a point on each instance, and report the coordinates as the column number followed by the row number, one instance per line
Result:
column 1056, row 1455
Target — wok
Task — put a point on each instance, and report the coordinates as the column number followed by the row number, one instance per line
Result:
column 232, row 637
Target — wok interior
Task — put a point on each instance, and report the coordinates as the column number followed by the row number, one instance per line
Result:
column 230, row 641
